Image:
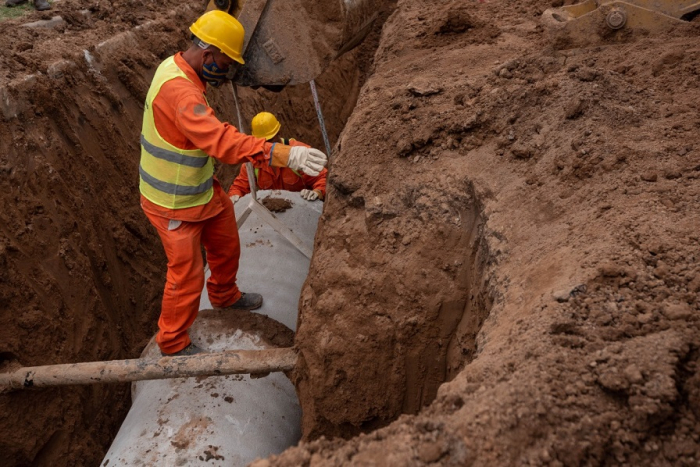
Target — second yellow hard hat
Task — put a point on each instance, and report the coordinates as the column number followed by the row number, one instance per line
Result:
column 265, row 125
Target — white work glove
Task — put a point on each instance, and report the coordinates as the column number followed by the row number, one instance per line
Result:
column 235, row 198
column 309, row 160
column 309, row 195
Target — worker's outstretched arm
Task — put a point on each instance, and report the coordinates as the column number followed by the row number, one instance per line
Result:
column 197, row 121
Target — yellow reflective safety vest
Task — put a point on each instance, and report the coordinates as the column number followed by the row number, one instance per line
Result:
column 171, row 177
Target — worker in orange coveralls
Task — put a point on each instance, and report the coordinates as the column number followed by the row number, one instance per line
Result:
column 265, row 125
column 179, row 194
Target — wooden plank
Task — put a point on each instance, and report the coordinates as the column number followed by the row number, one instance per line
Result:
column 240, row 220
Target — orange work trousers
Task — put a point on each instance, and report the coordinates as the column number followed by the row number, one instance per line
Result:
column 185, row 278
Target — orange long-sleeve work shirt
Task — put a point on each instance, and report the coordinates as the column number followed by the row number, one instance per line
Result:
column 184, row 119
column 280, row 178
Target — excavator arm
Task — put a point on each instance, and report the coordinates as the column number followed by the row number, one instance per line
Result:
column 224, row 5
column 293, row 41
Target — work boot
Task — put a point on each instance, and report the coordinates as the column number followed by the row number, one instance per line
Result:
column 12, row 3
column 42, row 5
column 248, row 301
column 186, row 352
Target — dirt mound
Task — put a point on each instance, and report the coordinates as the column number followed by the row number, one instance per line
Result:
column 276, row 204
column 550, row 194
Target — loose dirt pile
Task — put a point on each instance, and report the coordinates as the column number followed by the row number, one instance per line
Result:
column 521, row 220
column 276, row 204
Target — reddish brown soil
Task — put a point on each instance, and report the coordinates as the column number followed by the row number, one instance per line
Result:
column 276, row 204
column 506, row 270
column 519, row 219
column 81, row 269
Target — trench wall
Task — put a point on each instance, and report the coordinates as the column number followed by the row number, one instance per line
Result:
column 583, row 166
column 394, row 301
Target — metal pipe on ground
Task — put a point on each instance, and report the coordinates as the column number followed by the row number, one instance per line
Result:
column 120, row 371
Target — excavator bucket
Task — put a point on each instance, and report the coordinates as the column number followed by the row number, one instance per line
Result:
column 293, row 41
column 593, row 20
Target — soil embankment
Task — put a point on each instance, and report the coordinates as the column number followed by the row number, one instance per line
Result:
column 81, row 270
column 550, row 189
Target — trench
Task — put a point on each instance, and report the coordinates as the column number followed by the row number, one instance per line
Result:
column 397, row 294
column 82, row 270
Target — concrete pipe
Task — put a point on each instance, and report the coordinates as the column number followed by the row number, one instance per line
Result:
column 228, row 420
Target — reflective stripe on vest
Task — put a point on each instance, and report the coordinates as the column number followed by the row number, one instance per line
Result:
column 169, row 176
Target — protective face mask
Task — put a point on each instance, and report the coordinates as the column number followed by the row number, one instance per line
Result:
column 213, row 74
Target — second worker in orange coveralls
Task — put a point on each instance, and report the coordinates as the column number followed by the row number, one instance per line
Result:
column 265, row 125
column 179, row 194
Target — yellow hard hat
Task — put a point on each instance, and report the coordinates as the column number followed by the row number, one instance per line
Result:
column 265, row 125
column 221, row 30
